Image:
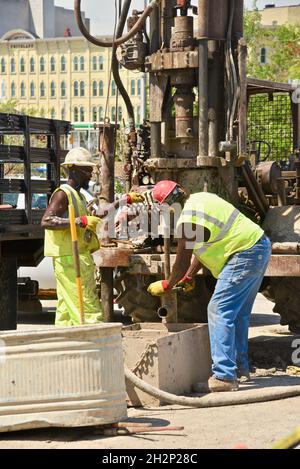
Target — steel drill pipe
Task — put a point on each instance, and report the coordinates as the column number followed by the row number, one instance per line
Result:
column 118, row 41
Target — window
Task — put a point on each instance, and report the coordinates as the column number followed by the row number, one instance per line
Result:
column 138, row 114
column 101, row 63
column 139, row 87
column 42, row 90
column 263, row 55
column 52, row 89
column 52, row 65
column 82, row 64
column 3, row 89
column 113, row 88
column 75, row 114
column 22, row 89
column 3, row 65
column 42, row 65
column 63, row 114
column 13, row 90
column 32, row 65
column 75, row 86
column 22, row 65
column 113, row 114
column 82, row 88
column 132, row 87
column 101, row 114
column 82, row 114
column 32, row 89
column 120, row 114
column 12, row 65
column 75, row 64
column 94, row 114
column 94, row 63
column 101, row 88
column 52, row 114
column 63, row 89
column 63, row 64
column 95, row 88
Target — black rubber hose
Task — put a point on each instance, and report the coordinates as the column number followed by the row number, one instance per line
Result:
column 108, row 43
column 115, row 66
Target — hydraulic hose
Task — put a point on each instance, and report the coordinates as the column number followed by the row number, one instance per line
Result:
column 214, row 399
column 109, row 43
column 115, row 66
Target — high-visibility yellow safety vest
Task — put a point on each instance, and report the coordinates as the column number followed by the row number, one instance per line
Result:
column 230, row 230
column 59, row 242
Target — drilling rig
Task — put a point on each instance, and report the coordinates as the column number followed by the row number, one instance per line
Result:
column 195, row 57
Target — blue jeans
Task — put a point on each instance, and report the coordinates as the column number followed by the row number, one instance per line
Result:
column 230, row 308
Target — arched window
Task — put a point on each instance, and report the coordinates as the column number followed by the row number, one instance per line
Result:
column 3, row 65
column 22, row 89
column 95, row 88
column 120, row 113
column 42, row 65
column 94, row 63
column 113, row 114
column 101, row 114
column 42, row 89
column 12, row 65
column 52, row 114
column 138, row 114
column 94, row 114
column 113, row 88
column 22, row 65
column 263, row 55
column 52, row 89
column 75, row 64
column 132, row 87
column 13, row 90
column 82, row 64
column 3, row 89
column 75, row 86
column 82, row 88
column 75, row 114
column 63, row 114
column 52, row 65
column 101, row 63
column 82, row 114
column 62, row 63
column 63, row 89
column 101, row 88
column 139, row 87
column 32, row 89
column 32, row 65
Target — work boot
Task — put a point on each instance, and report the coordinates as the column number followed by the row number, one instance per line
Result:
column 222, row 385
column 243, row 376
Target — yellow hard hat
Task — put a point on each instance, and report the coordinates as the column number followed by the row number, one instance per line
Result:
column 78, row 157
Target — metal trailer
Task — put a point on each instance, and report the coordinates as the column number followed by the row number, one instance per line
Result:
column 198, row 134
column 25, row 143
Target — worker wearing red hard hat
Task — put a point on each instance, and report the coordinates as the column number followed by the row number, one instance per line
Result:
column 236, row 251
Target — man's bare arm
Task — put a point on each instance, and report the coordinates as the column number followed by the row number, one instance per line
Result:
column 52, row 219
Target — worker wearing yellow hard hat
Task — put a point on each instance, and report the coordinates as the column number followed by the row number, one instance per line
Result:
column 79, row 165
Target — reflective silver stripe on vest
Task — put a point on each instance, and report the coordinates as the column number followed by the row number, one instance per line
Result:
column 224, row 230
column 196, row 213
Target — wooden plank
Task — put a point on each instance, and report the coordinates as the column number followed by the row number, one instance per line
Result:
column 112, row 257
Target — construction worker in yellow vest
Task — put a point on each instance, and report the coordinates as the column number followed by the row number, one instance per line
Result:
column 58, row 244
column 236, row 251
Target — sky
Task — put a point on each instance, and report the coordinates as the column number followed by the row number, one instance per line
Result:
column 102, row 23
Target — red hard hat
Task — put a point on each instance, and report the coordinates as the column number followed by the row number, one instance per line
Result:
column 162, row 189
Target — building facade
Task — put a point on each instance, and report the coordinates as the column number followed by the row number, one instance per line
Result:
column 275, row 16
column 63, row 78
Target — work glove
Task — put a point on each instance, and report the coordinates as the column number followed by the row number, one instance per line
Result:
column 88, row 222
column 158, row 288
column 134, row 198
column 186, row 283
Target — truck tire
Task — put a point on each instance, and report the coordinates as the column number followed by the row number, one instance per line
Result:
column 9, row 296
column 284, row 292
